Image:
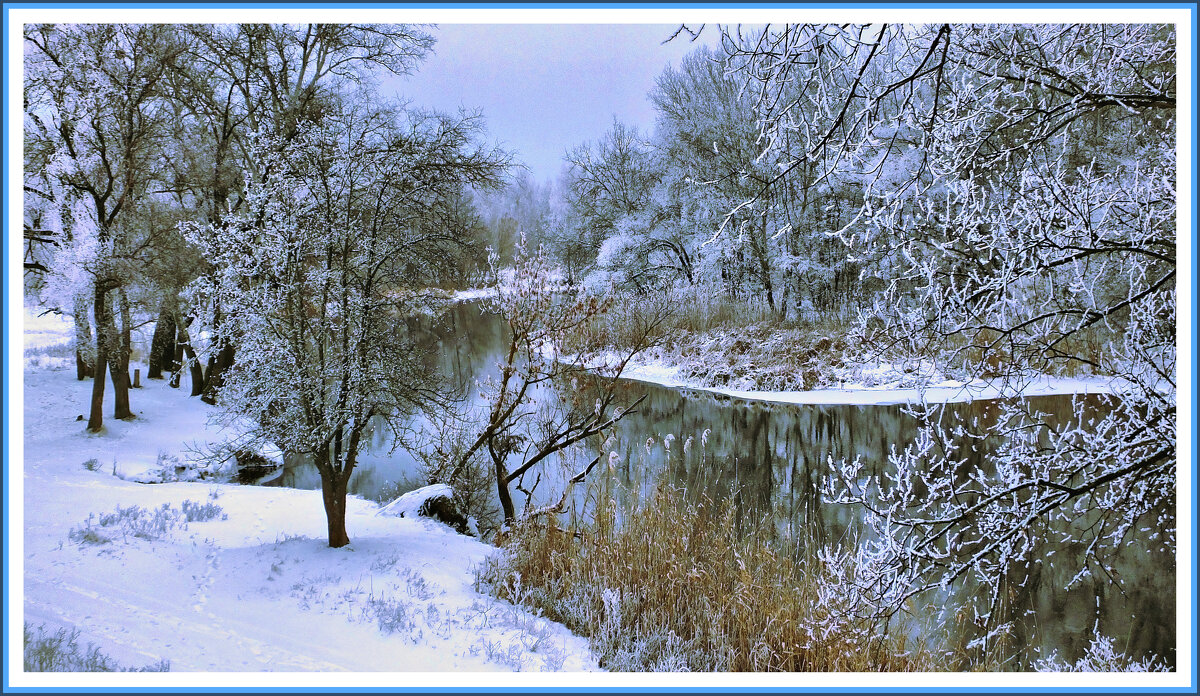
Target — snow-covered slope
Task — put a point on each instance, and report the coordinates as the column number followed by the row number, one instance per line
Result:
column 254, row 588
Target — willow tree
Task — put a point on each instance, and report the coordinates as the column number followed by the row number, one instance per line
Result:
column 317, row 273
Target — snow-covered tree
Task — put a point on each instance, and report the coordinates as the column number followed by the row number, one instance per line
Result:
column 547, row 344
column 605, row 182
column 243, row 79
column 96, row 119
column 1017, row 196
column 706, row 144
column 317, row 272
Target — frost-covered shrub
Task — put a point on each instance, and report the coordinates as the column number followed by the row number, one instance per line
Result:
column 92, row 464
column 59, row 651
column 171, row 468
column 150, row 524
column 1101, row 656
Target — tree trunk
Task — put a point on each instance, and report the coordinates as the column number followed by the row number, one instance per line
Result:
column 222, row 361
column 119, row 371
column 99, row 304
column 506, row 503
column 126, row 329
column 83, row 370
column 96, row 415
column 116, row 347
column 162, row 346
column 85, row 358
column 333, row 492
column 197, row 370
column 176, row 356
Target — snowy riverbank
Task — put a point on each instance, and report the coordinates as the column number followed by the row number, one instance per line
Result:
column 877, row 384
column 254, row 588
column 883, row 393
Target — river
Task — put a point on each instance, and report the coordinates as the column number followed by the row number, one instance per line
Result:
column 770, row 459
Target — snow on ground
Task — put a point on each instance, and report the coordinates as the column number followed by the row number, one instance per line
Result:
column 879, row 385
column 474, row 294
column 483, row 293
column 256, row 588
column 506, row 278
column 409, row 504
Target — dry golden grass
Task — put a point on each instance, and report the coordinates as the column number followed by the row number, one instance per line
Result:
column 673, row 587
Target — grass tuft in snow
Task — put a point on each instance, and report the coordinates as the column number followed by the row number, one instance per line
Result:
column 675, row 587
column 197, row 512
column 150, row 524
column 392, row 616
column 60, row 651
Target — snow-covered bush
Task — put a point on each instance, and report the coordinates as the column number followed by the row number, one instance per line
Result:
column 171, row 468
column 1101, row 656
column 201, row 512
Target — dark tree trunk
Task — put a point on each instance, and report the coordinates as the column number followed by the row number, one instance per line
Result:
column 176, row 356
column 217, row 365
column 506, row 503
column 82, row 369
column 162, row 346
column 333, row 492
column 101, row 311
column 197, row 371
column 119, row 370
column 116, row 348
column 96, row 414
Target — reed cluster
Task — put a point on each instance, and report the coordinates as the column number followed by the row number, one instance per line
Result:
column 674, row 586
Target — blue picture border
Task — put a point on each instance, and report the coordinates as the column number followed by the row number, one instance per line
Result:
column 8, row 484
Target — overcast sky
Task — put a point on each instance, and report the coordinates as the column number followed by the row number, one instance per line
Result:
column 545, row 88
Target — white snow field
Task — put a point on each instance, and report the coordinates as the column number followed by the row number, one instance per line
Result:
column 256, row 588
